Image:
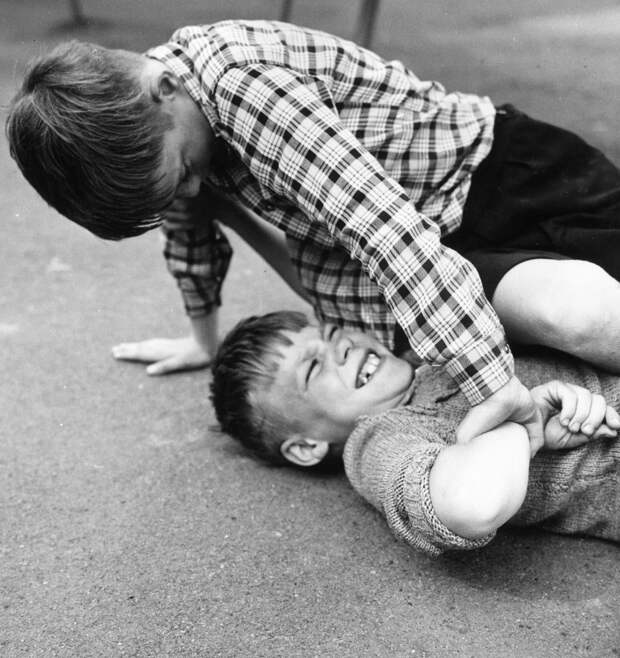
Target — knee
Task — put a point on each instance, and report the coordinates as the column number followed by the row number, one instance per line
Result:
column 584, row 305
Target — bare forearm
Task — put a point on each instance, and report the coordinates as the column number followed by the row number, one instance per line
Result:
column 478, row 486
column 205, row 331
column 266, row 240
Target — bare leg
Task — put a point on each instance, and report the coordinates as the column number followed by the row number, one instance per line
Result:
column 570, row 305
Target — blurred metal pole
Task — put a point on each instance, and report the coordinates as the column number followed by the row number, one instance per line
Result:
column 285, row 12
column 77, row 13
column 366, row 22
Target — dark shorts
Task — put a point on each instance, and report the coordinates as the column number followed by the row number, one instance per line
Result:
column 542, row 192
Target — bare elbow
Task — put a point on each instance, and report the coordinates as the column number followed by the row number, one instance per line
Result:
column 480, row 490
column 474, row 511
column 484, row 515
column 497, row 490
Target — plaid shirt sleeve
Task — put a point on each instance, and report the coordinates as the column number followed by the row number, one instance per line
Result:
column 287, row 132
column 198, row 258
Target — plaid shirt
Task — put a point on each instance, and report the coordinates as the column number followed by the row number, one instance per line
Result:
column 363, row 166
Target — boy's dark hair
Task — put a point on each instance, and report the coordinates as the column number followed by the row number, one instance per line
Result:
column 246, row 361
column 89, row 139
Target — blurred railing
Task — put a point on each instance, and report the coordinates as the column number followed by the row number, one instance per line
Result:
column 365, row 21
column 363, row 34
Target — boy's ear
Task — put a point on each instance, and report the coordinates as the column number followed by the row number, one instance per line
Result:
column 163, row 85
column 303, row 451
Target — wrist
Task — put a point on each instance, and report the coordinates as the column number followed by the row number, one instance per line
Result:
column 205, row 332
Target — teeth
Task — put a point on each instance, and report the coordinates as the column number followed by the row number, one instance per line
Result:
column 367, row 370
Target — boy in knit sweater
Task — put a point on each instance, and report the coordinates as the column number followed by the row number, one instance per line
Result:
column 296, row 393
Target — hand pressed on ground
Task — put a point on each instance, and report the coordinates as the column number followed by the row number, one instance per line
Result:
column 165, row 355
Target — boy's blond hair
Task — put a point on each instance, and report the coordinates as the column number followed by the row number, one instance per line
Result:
column 89, row 139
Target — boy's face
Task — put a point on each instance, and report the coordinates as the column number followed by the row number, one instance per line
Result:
column 329, row 377
column 188, row 147
column 189, row 144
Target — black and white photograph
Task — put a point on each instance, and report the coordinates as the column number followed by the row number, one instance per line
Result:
column 310, row 329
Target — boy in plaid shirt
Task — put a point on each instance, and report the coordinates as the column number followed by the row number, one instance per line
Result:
column 367, row 172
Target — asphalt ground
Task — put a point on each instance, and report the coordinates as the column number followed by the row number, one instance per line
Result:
column 129, row 526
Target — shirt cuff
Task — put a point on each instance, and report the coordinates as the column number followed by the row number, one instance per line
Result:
column 483, row 369
column 196, row 305
column 200, row 311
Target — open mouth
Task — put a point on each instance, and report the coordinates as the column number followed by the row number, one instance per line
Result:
column 367, row 370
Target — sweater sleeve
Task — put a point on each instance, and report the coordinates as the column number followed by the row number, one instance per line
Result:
column 388, row 460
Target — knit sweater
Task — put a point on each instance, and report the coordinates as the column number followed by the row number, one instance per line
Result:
column 388, row 459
